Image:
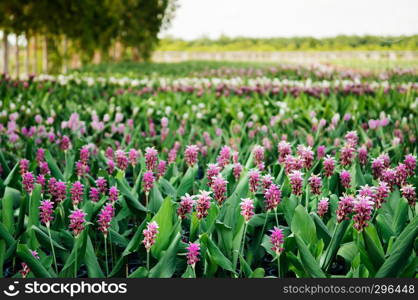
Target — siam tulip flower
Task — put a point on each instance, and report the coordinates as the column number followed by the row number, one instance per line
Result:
column 81, row 168
column 320, row 151
column 84, row 155
column 105, row 217
column 236, row 170
column 101, row 184
column 347, row 154
column 378, row 165
column 65, row 143
column 76, row 192
column 362, row 212
column 186, row 206
column 193, row 254
column 203, row 204
column 266, row 180
column 408, row 192
column 121, row 160
column 284, row 150
column 258, row 153
column 277, row 240
column 389, row 176
column 254, row 180
column 307, row 155
column 381, row 193
column 292, row 164
column 109, row 153
column 110, row 166
column 323, row 205
column 44, row 168
column 272, row 197
column 148, row 181
column 151, row 158
column 77, row 221
column 351, row 138
column 224, row 156
column 40, row 179
column 28, row 182
column 329, row 166
column 94, row 194
column 60, row 191
column 345, row 178
column 315, row 184
column 172, row 155
column 40, row 155
column 212, row 171
column 345, row 207
column 150, row 235
column 24, row 166
column 219, row 188
column 247, row 208
column 410, row 163
column 296, row 181
column 133, row 157
column 45, row 212
column 386, row 159
column 367, row 191
column 161, row 168
column 190, row 155
column 235, row 155
column 113, row 194
column 401, row 174
column 362, row 155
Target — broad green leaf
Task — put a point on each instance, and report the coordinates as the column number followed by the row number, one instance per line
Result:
column 167, row 264
column 164, row 219
column 303, row 226
column 310, row 265
column 34, row 264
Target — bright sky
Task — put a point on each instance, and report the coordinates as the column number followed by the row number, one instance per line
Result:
column 285, row 18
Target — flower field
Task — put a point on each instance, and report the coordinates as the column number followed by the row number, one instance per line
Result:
column 236, row 171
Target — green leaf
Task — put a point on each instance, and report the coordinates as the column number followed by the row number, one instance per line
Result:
column 10, row 197
column 400, row 253
column 167, row 264
column 55, row 170
column 401, row 216
column 155, row 199
column 310, row 265
column 373, row 246
column 164, row 219
column 136, row 240
column 289, row 205
column 69, row 165
column 321, row 228
column 189, row 273
column 131, row 199
column 186, row 182
column 140, row 272
column 334, row 244
column 34, row 264
column 258, row 273
column 302, row 225
column 12, row 175
column 78, row 252
column 219, row 258
column 93, row 267
column 43, row 238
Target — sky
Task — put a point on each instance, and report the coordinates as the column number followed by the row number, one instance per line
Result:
column 280, row 18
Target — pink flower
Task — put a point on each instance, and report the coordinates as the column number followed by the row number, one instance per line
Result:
column 110, row 166
column 94, row 194
column 84, row 154
column 306, row 154
column 46, row 210
column 65, row 143
column 24, row 166
column 352, row 138
column 381, row 193
column 362, row 155
column 113, row 194
column 151, row 158
column 378, row 165
column 150, row 235
column 272, row 197
column 389, row 176
column 284, row 150
column 347, row 154
column 193, row 254
column 277, row 240
column 121, row 160
column 408, row 192
column 292, row 163
column 329, row 166
column 219, row 188
column 28, row 182
column 44, row 168
column 401, row 174
column 40, row 155
column 105, row 217
column 345, row 207
column 224, row 156
column 133, row 157
column 315, row 184
column 320, row 151
column 236, row 170
column 40, row 179
column 386, row 159
column 296, row 181
column 254, row 180
column 258, row 153
column 247, row 208
column 101, row 184
column 60, row 191
column 148, row 181
column 266, row 180
column 77, row 221
column 203, row 204
column 190, row 155
column 81, row 168
column 362, row 212
column 410, row 163
column 212, row 171
column 186, row 206
column 345, row 178
column 161, row 168
column 323, row 207
column 109, row 153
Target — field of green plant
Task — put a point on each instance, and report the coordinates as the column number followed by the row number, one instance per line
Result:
column 209, row 170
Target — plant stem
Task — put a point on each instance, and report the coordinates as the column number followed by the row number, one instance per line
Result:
column 75, row 262
column 242, row 245
column 52, row 248
column 278, row 266
column 275, row 214
column 148, row 260
column 262, row 230
column 107, row 263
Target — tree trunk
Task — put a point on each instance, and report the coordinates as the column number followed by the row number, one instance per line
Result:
column 27, row 55
column 17, row 57
column 45, row 56
column 65, row 55
column 5, row 52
